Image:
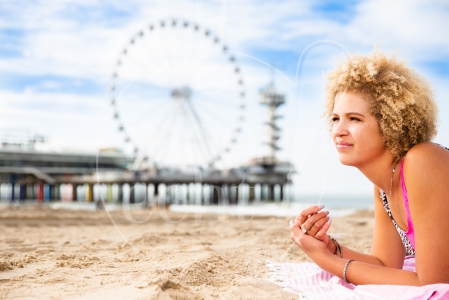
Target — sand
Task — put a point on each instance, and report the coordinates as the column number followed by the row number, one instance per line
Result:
column 139, row 254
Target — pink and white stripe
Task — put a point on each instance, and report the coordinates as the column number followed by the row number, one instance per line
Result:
column 309, row 281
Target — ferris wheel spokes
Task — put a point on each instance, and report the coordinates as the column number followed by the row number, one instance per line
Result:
column 141, row 155
column 191, row 57
column 181, row 99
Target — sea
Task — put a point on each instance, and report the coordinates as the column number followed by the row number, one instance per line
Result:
column 337, row 205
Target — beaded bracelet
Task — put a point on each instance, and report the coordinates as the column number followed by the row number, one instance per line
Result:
column 337, row 247
column 344, row 270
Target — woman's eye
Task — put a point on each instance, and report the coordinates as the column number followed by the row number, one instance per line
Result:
column 354, row 119
column 334, row 119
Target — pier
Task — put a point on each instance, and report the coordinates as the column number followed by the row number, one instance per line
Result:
column 107, row 176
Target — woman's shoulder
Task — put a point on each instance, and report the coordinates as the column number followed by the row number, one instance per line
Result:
column 427, row 160
column 427, row 152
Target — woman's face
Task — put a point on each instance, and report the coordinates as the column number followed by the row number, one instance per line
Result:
column 355, row 131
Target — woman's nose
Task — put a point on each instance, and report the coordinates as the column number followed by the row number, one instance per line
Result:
column 340, row 129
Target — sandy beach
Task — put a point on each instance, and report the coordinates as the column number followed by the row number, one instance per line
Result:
column 140, row 254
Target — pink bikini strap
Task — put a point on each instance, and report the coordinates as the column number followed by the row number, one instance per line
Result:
column 405, row 196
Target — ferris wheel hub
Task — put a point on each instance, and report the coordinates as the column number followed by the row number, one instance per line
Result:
column 182, row 93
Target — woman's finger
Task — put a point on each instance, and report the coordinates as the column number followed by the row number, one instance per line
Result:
column 295, row 231
column 323, row 230
column 308, row 212
column 314, row 223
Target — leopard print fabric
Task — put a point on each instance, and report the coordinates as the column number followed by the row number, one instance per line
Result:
column 405, row 241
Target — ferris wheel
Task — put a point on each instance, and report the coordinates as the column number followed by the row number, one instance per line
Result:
column 177, row 96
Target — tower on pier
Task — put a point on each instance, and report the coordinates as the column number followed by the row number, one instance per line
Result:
column 272, row 99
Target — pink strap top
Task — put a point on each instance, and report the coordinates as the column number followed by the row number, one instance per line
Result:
column 410, row 231
column 408, row 238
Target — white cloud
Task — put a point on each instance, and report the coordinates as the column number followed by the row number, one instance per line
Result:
column 74, row 46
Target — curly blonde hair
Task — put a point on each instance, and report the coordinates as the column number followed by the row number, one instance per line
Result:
column 399, row 98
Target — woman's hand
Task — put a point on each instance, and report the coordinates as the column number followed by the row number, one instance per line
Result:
column 315, row 224
column 313, row 247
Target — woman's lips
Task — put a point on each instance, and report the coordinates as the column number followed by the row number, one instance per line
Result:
column 343, row 145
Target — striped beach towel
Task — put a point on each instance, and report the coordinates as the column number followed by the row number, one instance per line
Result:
column 310, row 282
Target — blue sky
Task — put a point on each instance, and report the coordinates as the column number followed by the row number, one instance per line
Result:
column 57, row 57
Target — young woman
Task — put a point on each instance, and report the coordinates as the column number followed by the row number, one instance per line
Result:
column 382, row 118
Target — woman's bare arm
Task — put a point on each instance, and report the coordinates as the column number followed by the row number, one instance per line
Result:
column 386, row 246
column 426, row 176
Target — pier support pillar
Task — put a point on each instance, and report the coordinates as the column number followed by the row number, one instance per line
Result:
column 223, row 194
column 251, row 192
column 109, row 192
column 232, row 193
column 132, row 193
column 40, row 193
column 203, row 195
column 216, row 194
column 31, row 192
column 21, row 192
column 51, row 189
column 147, row 194
column 156, row 189
column 156, row 199
column 271, row 197
column 27, row 192
column 237, row 196
column 227, row 193
column 57, row 192
column 188, row 194
column 120, row 193
column 168, row 194
column 47, row 195
column 74, row 192
column 90, row 192
column 53, row 195
column 12, row 181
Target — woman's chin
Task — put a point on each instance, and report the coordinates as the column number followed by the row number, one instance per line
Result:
column 345, row 160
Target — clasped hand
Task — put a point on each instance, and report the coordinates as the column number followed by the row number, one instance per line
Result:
column 309, row 230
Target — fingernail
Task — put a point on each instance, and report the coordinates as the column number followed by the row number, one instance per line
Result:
column 291, row 222
column 321, row 206
column 327, row 212
column 329, row 221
